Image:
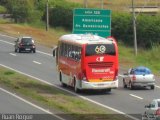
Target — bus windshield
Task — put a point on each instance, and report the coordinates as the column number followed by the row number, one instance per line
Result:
column 100, row 49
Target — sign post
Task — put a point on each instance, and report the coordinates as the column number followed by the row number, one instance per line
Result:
column 94, row 21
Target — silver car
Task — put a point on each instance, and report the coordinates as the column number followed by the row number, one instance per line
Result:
column 152, row 111
column 139, row 77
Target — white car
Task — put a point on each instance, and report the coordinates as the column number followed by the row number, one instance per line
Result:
column 139, row 77
column 152, row 111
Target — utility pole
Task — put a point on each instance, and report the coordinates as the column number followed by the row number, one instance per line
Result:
column 47, row 16
column 85, row 3
column 134, row 28
column 102, row 4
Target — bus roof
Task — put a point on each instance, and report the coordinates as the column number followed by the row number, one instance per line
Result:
column 85, row 38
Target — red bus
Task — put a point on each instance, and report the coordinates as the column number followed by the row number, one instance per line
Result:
column 87, row 62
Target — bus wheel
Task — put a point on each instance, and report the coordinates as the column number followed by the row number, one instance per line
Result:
column 75, row 87
column 106, row 90
column 60, row 79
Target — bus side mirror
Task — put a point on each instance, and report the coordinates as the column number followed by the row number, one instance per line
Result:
column 54, row 51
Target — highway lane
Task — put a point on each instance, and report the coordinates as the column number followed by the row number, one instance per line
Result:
column 124, row 100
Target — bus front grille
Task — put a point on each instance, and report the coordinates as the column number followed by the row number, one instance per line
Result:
column 100, row 64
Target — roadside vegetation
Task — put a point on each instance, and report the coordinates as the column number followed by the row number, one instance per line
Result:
column 54, row 99
column 31, row 21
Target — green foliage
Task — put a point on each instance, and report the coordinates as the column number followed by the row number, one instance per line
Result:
column 2, row 9
column 62, row 14
column 9, row 73
column 23, row 10
column 148, row 28
column 122, row 27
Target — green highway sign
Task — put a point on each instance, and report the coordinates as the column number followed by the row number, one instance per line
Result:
column 94, row 21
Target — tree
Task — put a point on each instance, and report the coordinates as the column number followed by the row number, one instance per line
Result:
column 23, row 10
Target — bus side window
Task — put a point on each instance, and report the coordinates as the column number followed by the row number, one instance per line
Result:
column 78, row 54
column 61, row 49
column 69, row 52
column 65, row 52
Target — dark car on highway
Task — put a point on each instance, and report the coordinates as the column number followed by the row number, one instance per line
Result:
column 25, row 43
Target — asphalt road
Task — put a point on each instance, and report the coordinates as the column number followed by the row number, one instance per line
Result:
column 42, row 66
column 12, row 104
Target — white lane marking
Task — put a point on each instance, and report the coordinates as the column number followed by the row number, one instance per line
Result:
column 37, row 62
column 85, row 98
column 157, row 86
column 8, row 36
column 12, row 54
column 136, row 96
column 37, row 50
column 44, row 53
column 7, row 42
column 14, row 95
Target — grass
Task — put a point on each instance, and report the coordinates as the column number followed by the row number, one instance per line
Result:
column 145, row 57
column 54, row 98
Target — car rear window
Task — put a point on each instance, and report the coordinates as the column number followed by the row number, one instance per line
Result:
column 26, row 40
column 142, row 71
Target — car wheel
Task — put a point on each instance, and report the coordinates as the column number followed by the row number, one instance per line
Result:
column 60, row 79
column 34, row 51
column 15, row 50
column 144, row 117
column 18, row 50
column 131, row 86
column 152, row 87
column 124, row 84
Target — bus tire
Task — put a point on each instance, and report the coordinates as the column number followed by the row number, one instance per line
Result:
column 106, row 90
column 75, row 87
column 60, row 79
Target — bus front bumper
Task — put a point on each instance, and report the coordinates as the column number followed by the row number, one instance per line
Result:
column 99, row 85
